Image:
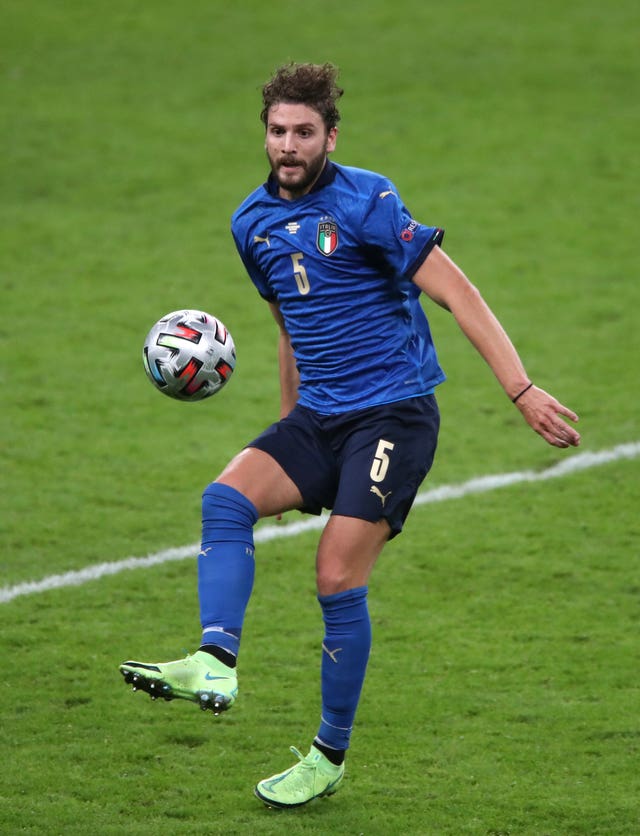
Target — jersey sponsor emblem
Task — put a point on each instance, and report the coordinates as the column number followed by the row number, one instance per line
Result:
column 258, row 239
column 292, row 227
column 382, row 195
column 327, row 240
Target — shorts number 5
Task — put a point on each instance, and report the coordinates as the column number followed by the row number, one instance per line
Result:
column 381, row 461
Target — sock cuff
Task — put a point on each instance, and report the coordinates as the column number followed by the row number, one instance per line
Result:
column 225, row 493
column 347, row 596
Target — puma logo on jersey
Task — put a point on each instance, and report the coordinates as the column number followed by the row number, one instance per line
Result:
column 258, row 240
column 331, row 653
column 382, row 195
column 383, row 496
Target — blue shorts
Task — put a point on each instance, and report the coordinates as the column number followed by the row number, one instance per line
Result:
column 368, row 463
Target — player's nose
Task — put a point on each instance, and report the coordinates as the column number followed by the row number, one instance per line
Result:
column 288, row 142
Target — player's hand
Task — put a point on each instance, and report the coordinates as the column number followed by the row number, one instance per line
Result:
column 542, row 412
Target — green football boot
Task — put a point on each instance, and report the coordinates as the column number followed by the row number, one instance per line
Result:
column 315, row 776
column 200, row 678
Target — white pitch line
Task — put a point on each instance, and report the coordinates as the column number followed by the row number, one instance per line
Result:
column 266, row 533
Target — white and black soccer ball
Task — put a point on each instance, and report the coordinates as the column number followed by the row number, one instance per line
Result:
column 189, row 355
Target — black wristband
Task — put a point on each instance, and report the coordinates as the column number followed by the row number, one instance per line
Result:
column 520, row 394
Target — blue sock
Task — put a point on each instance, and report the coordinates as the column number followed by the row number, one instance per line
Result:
column 345, row 653
column 225, row 565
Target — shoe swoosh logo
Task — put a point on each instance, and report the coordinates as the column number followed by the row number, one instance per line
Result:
column 333, row 783
column 271, row 783
column 211, row 678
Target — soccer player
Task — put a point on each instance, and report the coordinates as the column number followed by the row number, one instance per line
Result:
column 342, row 264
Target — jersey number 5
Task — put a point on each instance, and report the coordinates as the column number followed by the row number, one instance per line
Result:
column 300, row 273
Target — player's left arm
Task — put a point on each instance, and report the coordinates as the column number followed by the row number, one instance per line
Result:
column 443, row 281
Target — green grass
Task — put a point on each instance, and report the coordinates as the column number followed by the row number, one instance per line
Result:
column 501, row 696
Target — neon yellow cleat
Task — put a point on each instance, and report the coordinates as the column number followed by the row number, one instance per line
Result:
column 315, row 776
column 200, row 678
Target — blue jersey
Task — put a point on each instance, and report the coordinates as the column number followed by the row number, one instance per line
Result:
column 339, row 263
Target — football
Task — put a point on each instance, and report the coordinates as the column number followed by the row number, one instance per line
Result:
column 189, row 355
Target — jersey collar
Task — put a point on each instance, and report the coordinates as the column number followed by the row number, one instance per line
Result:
column 327, row 176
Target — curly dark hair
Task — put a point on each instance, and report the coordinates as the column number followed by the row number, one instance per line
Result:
column 311, row 84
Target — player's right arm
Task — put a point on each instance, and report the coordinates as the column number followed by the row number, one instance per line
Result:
column 289, row 377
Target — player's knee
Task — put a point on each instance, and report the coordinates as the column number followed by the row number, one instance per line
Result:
column 333, row 579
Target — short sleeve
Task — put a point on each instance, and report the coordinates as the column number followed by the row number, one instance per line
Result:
column 388, row 227
column 255, row 274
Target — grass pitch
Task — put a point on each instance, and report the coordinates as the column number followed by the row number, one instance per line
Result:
column 502, row 696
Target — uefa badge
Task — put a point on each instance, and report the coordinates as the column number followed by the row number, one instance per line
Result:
column 327, row 240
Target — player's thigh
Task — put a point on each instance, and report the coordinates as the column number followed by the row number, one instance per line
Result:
column 259, row 477
column 298, row 444
column 347, row 552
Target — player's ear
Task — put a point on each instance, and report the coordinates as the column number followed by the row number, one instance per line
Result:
column 332, row 137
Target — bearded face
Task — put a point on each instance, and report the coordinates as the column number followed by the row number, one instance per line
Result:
column 297, row 143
